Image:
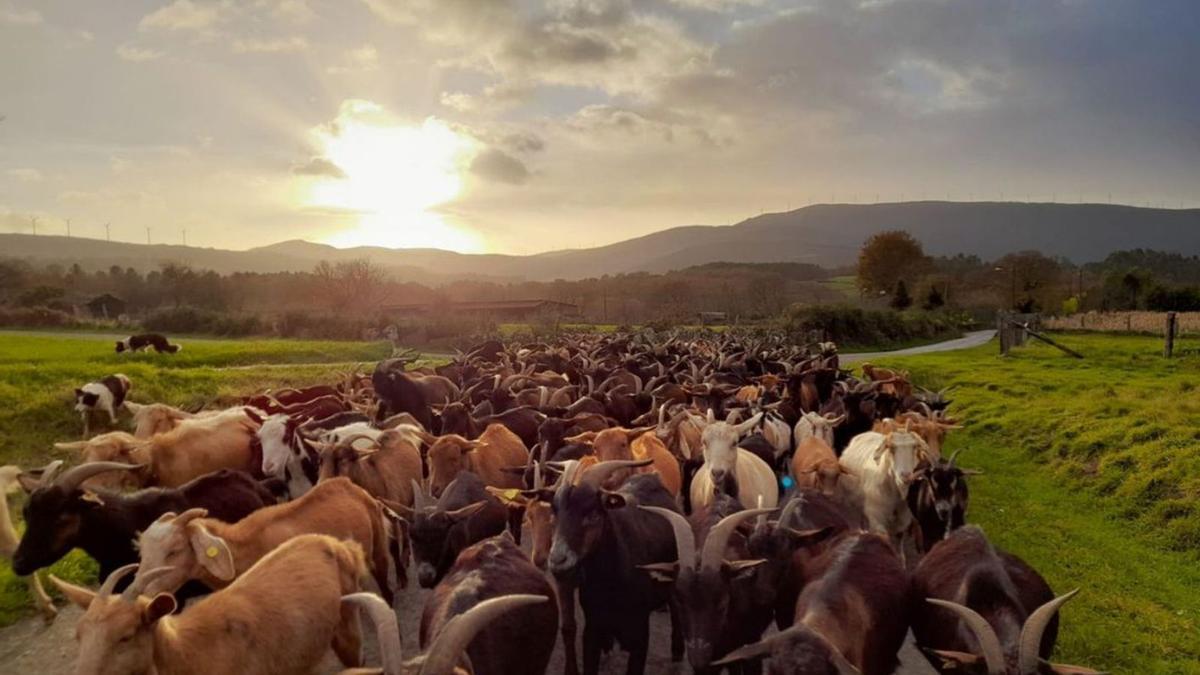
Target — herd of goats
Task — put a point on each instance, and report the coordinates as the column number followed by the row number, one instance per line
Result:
column 735, row 482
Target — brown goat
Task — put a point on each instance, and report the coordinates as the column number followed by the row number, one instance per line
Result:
column 115, row 446
column 266, row 625
column 385, row 470
column 497, row 449
column 215, row 552
column 815, row 466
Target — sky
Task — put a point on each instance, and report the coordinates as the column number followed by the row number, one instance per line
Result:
column 519, row 126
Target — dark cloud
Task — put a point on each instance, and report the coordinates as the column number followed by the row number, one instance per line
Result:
column 319, row 166
column 498, row 166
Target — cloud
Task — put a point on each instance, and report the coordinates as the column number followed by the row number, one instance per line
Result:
column 19, row 17
column 25, row 175
column 716, row 5
column 319, row 166
column 296, row 11
column 196, row 17
column 606, row 120
column 493, row 99
column 270, row 46
column 498, row 166
column 360, row 59
column 135, row 54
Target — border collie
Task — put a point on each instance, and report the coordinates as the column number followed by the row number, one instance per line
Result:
column 107, row 395
column 137, row 343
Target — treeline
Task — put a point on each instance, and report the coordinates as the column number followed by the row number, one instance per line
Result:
column 359, row 289
column 893, row 268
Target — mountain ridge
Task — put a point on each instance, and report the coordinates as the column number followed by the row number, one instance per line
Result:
column 825, row 234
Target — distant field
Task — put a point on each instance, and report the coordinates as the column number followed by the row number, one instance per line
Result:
column 1093, row 476
column 846, row 285
column 38, row 375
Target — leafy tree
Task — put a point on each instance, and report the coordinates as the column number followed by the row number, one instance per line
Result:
column 889, row 257
column 901, row 299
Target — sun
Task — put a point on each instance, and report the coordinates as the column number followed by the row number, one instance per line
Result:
column 393, row 175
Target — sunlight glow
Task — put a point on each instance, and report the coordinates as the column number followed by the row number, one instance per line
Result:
column 394, row 176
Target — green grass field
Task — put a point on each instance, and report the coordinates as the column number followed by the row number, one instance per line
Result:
column 1092, row 468
column 1093, row 476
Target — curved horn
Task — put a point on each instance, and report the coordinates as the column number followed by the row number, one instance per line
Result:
column 420, row 500
column 953, row 456
column 993, row 653
column 458, row 632
column 113, row 579
column 135, row 588
column 790, row 508
column 925, row 409
column 600, row 472
column 391, row 654
column 1031, row 634
column 71, row 478
column 718, row 538
column 352, row 438
column 46, row 474
column 538, row 481
column 685, row 541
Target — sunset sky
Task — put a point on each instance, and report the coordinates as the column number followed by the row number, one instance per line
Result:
column 519, row 126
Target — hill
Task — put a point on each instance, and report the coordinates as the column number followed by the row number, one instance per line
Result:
column 825, row 234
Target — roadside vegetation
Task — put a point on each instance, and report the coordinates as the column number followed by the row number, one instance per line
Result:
column 1093, row 476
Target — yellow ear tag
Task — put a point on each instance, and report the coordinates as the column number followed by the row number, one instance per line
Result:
column 211, row 551
column 511, row 494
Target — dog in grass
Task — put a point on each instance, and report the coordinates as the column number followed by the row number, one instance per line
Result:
column 137, row 343
column 104, row 396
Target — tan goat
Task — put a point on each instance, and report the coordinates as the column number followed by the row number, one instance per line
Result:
column 634, row 444
column 496, row 449
column 279, row 618
column 9, row 541
column 115, row 446
column 215, row 552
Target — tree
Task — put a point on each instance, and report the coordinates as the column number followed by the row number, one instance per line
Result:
column 350, row 285
column 889, row 257
column 933, row 299
column 901, row 299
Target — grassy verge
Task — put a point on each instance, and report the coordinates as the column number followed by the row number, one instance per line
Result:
column 38, row 375
column 1093, row 477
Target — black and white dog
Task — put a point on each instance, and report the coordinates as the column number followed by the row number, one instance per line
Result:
column 136, row 343
column 107, row 395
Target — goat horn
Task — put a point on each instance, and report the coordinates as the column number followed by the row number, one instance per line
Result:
column 420, row 501
column 114, row 578
column 925, row 407
column 600, row 472
column 789, row 508
column 72, row 478
column 718, row 538
column 569, row 469
column 1031, row 634
column 538, row 480
column 46, row 473
column 352, row 438
column 139, row 583
column 953, row 456
column 458, row 632
column 685, row 541
column 993, row 654
column 391, row 654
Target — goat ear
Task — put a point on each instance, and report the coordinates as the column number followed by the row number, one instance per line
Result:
column 810, row 537
column 466, row 511
column 734, row 569
column 612, row 500
column 952, row 660
column 28, row 481
column 585, row 437
column 664, row 572
column 632, row 434
column 212, row 553
column 161, row 605
column 77, row 594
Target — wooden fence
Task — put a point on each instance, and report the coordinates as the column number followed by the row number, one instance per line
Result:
column 1150, row 323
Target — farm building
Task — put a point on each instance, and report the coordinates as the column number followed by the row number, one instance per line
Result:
column 504, row 310
column 106, row 306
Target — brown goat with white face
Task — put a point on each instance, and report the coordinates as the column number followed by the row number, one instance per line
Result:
column 497, row 449
column 259, row 625
column 215, row 552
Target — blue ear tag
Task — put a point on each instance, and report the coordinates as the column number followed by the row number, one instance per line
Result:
column 786, row 482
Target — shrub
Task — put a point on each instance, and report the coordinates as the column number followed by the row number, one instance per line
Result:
column 196, row 320
column 37, row 317
column 849, row 325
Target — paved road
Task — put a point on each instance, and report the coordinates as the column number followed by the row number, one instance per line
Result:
column 972, row 339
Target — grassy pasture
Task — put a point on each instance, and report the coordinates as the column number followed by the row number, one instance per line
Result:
column 1093, row 476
